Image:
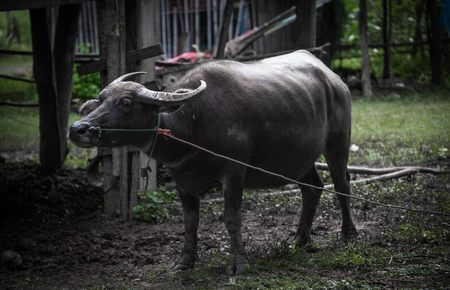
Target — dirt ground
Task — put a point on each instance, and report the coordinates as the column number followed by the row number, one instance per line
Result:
column 56, row 226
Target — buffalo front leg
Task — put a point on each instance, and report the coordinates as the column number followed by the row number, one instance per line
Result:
column 188, row 256
column 310, row 200
column 232, row 189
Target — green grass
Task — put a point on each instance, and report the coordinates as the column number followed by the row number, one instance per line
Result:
column 19, row 128
column 14, row 90
column 338, row 266
column 396, row 129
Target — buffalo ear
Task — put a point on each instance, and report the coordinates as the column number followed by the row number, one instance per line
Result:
column 88, row 107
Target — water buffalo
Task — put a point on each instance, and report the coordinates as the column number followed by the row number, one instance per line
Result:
column 280, row 114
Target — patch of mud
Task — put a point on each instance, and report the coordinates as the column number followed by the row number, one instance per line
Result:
column 56, row 226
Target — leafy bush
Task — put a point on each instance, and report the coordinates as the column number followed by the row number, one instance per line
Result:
column 85, row 87
column 152, row 207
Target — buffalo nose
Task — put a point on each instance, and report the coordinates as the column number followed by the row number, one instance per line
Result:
column 79, row 128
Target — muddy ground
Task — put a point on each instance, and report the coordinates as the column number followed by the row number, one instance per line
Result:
column 56, row 226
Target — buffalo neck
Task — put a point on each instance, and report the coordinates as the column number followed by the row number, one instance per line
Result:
column 167, row 150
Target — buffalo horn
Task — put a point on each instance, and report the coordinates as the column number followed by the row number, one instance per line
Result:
column 168, row 98
column 127, row 76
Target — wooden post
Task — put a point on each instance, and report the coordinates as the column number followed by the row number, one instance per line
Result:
column 111, row 25
column 49, row 147
column 306, row 24
column 125, row 30
column 240, row 18
column 386, row 31
column 365, row 63
column 168, row 30
column 208, row 24
column 175, row 30
column 52, row 64
column 224, row 26
column 215, row 22
column 197, row 23
column 164, row 28
column 435, row 43
column 148, row 33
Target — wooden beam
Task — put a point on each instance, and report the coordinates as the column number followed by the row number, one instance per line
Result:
column 66, row 33
column 16, row 78
column 49, row 132
column 7, row 5
column 227, row 12
column 91, row 67
column 132, row 56
column 144, row 53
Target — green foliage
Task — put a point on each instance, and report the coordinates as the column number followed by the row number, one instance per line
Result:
column 403, row 29
column 85, row 87
column 350, row 257
column 151, row 207
column 22, row 19
column 79, row 157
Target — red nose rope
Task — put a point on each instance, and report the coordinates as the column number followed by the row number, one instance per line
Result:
column 166, row 133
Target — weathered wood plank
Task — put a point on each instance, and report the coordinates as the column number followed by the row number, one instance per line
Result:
column 6, row 5
column 123, row 187
column 132, row 56
column 91, row 67
column 144, row 53
column 148, row 34
column 110, row 197
column 14, row 78
column 134, row 184
column 110, row 24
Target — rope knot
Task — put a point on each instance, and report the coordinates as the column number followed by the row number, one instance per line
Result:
column 164, row 132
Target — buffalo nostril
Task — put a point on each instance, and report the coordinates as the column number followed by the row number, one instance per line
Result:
column 80, row 128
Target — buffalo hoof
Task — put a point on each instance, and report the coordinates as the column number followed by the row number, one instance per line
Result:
column 308, row 246
column 237, row 269
column 238, row 266
column 349, row 234
column 302, row 240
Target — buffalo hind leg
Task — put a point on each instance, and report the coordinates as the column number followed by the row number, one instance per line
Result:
column 232, row 191
column 310, row 200
column 337, row 156
column 188, row 256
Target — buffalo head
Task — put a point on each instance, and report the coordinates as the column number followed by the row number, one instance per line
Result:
column 125, row 105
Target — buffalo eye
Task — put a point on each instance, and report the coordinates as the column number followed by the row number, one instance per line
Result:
column 125, row 102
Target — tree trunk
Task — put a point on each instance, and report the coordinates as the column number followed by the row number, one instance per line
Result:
column 365, row 60
column 386, row 30
column 305, row 24
column 53, row 76
column 336, row 28
column 418, row 29
column 435, row 46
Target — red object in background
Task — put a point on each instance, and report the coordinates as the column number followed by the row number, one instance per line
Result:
column 189, row 57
